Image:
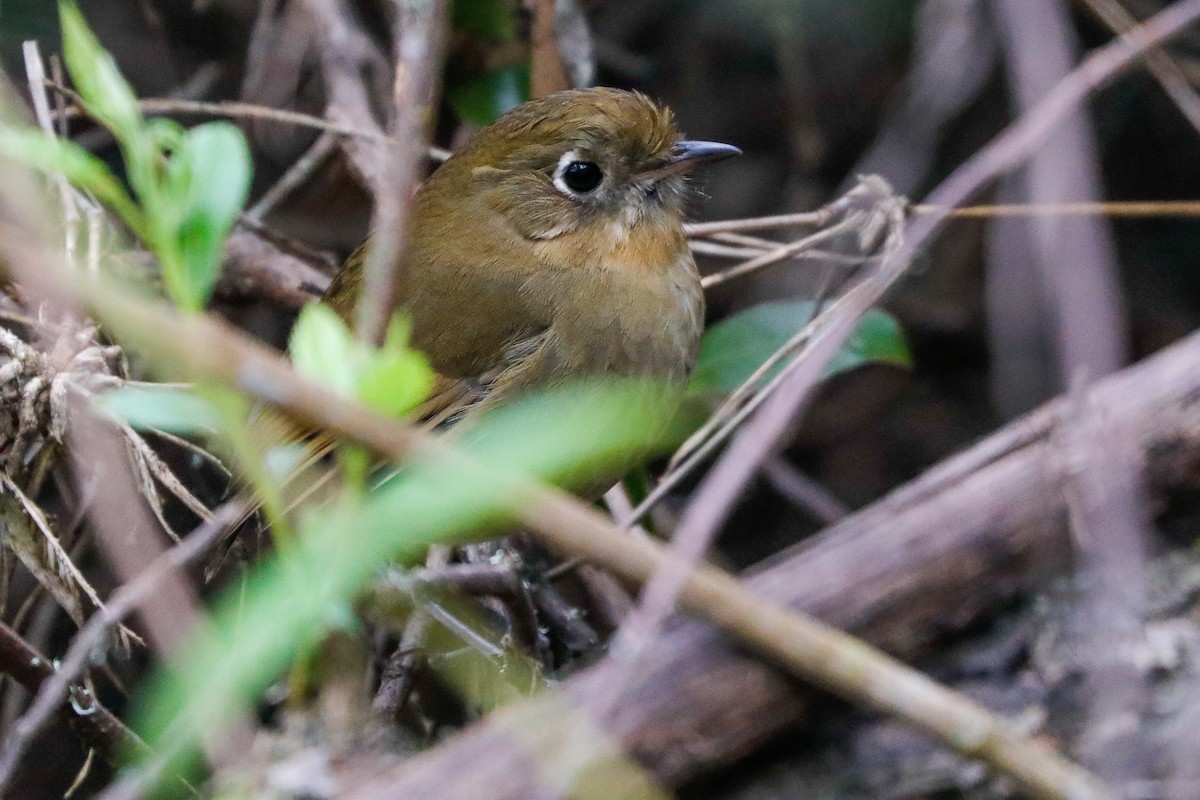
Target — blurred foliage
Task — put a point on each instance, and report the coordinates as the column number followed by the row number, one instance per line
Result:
column 491, row 20
column 295, row 597
column 489, row 72
column 478, row 101
column 151, row 407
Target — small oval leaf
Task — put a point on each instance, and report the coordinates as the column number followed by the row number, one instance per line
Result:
column 733, row 348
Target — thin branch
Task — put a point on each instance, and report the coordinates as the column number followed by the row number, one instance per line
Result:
column 418, row 40
column 548, row 71
column 803, row 491
column 399, row 673
column 1119, row 209
column 781, row 253
column 1161, row 65
column 812, row 219
column 295, row 176
column 235, row 109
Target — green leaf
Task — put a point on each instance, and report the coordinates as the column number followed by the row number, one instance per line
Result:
column 212, row 167
column 732, row 349
column 878, row 339
column 96, row 75
column 479, row 101
column 490, row 20
column 397, row 378
column 109, row 97
column 161, row 408
column 50, row 154
column 324, row 350
column 392, row 380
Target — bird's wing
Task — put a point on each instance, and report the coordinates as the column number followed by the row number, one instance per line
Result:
column 452, row 398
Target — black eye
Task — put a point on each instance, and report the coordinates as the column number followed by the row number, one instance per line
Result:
column 582, row 176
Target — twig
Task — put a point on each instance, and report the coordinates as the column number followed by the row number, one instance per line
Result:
column 418, row 40
column 780, row 253
column 470, row 579
column 1118, row 209
column 812, row 219
column 732, row 413
column 1161, row 65
column 803, row 491
column 235, row 109
column 54, row 686
column 321, row 259
column 348, row 57
column 94, row 723
column 1075, row 257
column 576, row 634
column 500, row 581
column 35, row 71
column 294, row 178
column 252, row 267
column 548, row 72
column 396, row 683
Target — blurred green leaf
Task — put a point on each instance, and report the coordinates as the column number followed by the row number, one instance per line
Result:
column 33, row 147
column 288, row 602
column 480, row 100
column 216, row 161
column 491, row 20
column 161, row 408
column 392, row 380
column 397, row 378
column 109, row 97
column 324, row 350
column 96, row 74
column 732, row 349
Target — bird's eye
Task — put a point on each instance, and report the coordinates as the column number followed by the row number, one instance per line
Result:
column 582, row 176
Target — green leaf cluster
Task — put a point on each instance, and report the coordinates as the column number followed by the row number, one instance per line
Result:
column 188, row 186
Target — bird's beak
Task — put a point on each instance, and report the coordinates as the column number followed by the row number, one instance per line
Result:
column 686, row 155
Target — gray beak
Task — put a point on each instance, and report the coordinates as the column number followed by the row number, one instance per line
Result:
column 686, row 155
column 694, row 154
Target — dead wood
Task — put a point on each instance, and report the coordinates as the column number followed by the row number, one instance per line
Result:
column 927, row 560
column 256, row 268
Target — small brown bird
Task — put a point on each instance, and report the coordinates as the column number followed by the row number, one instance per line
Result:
column 552, row 247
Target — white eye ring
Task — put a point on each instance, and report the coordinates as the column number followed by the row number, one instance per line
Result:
column 568, row 158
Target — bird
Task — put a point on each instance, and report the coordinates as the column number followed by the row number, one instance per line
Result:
column 551, row 247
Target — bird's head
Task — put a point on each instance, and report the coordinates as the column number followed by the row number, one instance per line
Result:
column 580, row 159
